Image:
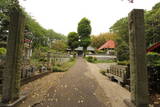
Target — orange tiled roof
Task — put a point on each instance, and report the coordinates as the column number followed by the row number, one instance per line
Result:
column 108, row 44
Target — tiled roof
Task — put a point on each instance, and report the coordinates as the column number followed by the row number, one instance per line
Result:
column 153, row 47
column 108, row 44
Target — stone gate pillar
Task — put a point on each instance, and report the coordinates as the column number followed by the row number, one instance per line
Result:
column 138, row 70
column 49, row 59
column 11, row 82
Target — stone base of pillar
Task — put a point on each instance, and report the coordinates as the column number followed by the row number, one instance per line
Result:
column 13, row 104
column 128, row 103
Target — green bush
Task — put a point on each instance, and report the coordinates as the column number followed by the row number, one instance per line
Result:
column 58, row 69
column 123, row 63
column 2, row 51
column 91, row 59
column 122, row 52
column 72, row 59
column 153, row 58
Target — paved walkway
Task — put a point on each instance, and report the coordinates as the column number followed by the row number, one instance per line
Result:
column 77, row 89
column 84, row 86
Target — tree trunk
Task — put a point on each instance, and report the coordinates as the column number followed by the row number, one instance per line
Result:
column 11, row 83
column 84, row 51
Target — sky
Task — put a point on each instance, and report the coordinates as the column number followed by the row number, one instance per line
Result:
column 63, row 15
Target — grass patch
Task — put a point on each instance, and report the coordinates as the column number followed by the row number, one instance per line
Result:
column 105, row 61
column 94, row 60
column 123, row 63
column 64, row 67
column 91, row 59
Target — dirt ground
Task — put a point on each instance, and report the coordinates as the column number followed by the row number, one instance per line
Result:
column 38, row 89
column 113, row 91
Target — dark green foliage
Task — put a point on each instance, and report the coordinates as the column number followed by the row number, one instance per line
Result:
column 73, row 40
column 152, row 25
column 39, row 35
column 85, row 42
column 4, row 20
column 84, row 28
column 72, row 59
column 153, row 59
column 84, row 31
column 122, row 52
column 152, row 32
column 121, row 29
column 91, row 59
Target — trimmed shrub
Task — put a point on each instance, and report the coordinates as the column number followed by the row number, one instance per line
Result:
column 122, row 52
column 58, row 69
column 91, row 59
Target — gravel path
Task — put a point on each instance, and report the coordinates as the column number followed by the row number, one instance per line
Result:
column 82, row 86
column 38, row 89
column 114, row 92
column 78, row 88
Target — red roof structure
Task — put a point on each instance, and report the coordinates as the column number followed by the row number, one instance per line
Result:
column 109, row 44
column 27, row 40
column 154, row 48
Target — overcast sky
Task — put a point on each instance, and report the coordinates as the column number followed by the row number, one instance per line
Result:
column 63, row 15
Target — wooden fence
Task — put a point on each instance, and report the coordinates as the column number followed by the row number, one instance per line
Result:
column 121, row 74
column 30, row 72
column 59, row 58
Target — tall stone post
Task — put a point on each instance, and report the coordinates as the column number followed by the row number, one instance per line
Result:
column 139, row 81
column 49, row 59
column 11, row 82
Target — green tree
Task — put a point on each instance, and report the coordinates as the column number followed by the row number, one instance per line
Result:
column 84, row 31
column 39, row 34
column 120, row 28
column 152, row 25
column 73, row 40
column 122, row 52
column 59, row 45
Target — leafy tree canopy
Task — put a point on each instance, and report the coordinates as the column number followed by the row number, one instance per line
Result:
column 84, row 28
column 84, row 31
column 73, row 40
column 152, row 26
column 59, row 45
column 38, row 35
